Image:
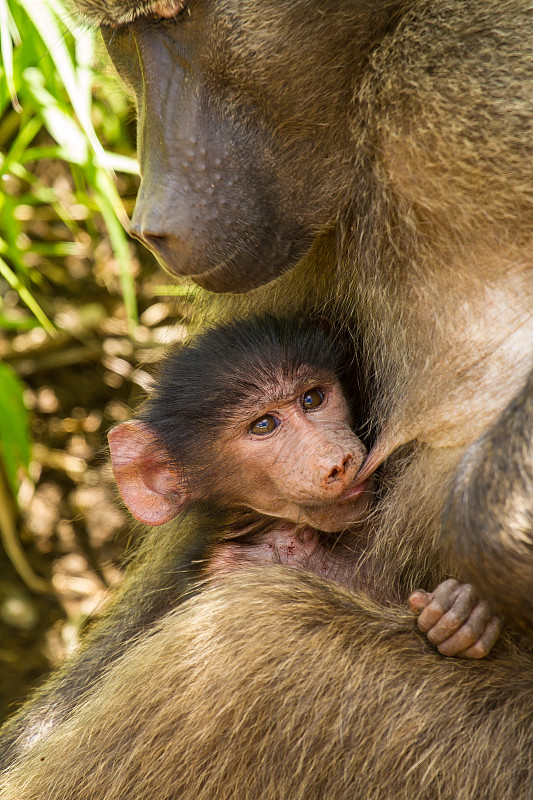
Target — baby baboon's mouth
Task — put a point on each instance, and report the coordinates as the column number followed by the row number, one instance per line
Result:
column 355, row 490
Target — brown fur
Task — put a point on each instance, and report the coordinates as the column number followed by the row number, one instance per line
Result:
column 488, row 521
column 279, row 685
column 398, row 136
column 430, row 265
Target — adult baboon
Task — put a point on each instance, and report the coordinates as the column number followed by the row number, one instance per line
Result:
column 388, row 146
column 401, row 130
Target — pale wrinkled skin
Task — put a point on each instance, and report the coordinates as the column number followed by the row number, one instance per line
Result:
column 304, row 469
column 302, row 472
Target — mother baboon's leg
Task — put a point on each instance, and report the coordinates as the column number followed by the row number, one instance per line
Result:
column 166, row 570
column 279, row 685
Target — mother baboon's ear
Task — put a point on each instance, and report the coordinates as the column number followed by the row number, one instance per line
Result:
column 151, row 486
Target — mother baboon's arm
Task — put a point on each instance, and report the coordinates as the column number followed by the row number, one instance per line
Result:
column 488, row 519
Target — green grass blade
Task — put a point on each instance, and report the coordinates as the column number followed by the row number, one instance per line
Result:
column 26, row 296
column 174, row 290
column 107, row 199
column 15, row 448
column 8, row 34
column 46, row 21
column 59, row 123
column 27, row 133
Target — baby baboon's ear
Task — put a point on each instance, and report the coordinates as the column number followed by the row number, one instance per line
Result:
column 151, row 486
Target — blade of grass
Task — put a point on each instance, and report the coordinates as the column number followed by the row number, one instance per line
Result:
column 28, row 131
column 61, row 126
column 174, row 290
column 12, row 545
column 26, row 296
column 76, row 75
column 9, row 324
column 14, row 428
column 106, row 197
column 46, row 19
column 8, row 34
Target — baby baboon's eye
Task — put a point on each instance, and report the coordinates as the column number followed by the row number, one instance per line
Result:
column 312, row 399
column 264, row 425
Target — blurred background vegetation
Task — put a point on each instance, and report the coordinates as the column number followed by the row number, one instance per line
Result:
column 84, row 313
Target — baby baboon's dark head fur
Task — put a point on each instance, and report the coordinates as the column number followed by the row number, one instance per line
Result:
column 212, row 380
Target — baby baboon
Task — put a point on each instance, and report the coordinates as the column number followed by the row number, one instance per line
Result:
column 252, row 414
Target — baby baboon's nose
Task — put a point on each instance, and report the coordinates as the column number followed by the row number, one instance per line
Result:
column 339, row 469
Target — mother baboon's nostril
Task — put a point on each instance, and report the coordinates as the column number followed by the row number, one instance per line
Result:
column 135, row 231
column 173, row 251
column 151, row 240
column 154, row 241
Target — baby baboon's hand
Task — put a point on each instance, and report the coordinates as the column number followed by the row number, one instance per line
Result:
column 455, row 620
